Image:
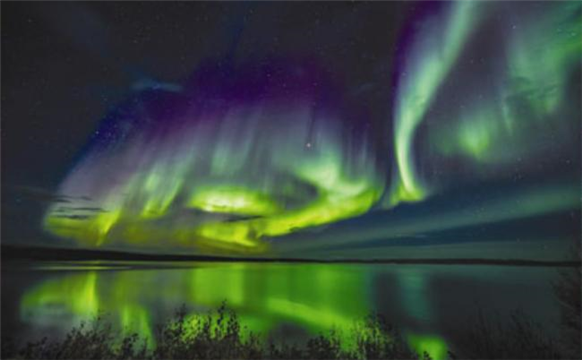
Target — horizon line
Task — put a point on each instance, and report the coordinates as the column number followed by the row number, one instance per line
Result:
column 38, row 253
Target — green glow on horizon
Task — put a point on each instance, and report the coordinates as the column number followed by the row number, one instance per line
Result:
column 339, row 197
column 434, row 57
column 216, row 196
column 521, row 203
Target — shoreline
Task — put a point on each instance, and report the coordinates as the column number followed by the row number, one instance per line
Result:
column 11, row 253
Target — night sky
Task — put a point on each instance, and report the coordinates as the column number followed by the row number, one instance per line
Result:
column 333, row 130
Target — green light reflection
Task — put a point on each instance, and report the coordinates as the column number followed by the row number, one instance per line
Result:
column 433, row 345
column 136, row 300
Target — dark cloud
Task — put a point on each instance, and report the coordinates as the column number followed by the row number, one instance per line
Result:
column 89, row 208
column 82, row 209
column 73, row 217
column 43, row 195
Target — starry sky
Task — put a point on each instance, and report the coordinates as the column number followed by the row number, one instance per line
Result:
column 325, row 130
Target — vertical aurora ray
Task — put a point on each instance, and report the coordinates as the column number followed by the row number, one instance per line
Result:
column 435, row 49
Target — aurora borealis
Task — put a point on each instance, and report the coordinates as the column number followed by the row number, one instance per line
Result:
column 467, row 116
column 435, row 49
column 308, row 163
column 512, row 110
column 223, row 164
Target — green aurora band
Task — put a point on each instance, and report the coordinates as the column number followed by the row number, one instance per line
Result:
column 436, row 47
column 529, row 109
column 527, row 202
column 225, row 177
column 231, row 164
column 516, row 107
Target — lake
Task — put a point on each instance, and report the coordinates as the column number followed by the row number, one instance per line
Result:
column 431, row 304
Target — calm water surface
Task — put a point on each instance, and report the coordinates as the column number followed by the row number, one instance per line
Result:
column 429, row 303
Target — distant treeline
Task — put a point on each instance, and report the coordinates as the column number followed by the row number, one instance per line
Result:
column 22, row 253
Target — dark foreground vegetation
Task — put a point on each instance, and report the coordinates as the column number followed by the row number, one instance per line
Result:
column 222, row 336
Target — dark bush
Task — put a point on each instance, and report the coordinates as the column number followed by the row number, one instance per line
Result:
column 221, row 336
column 518, row 337
column 568, row 291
